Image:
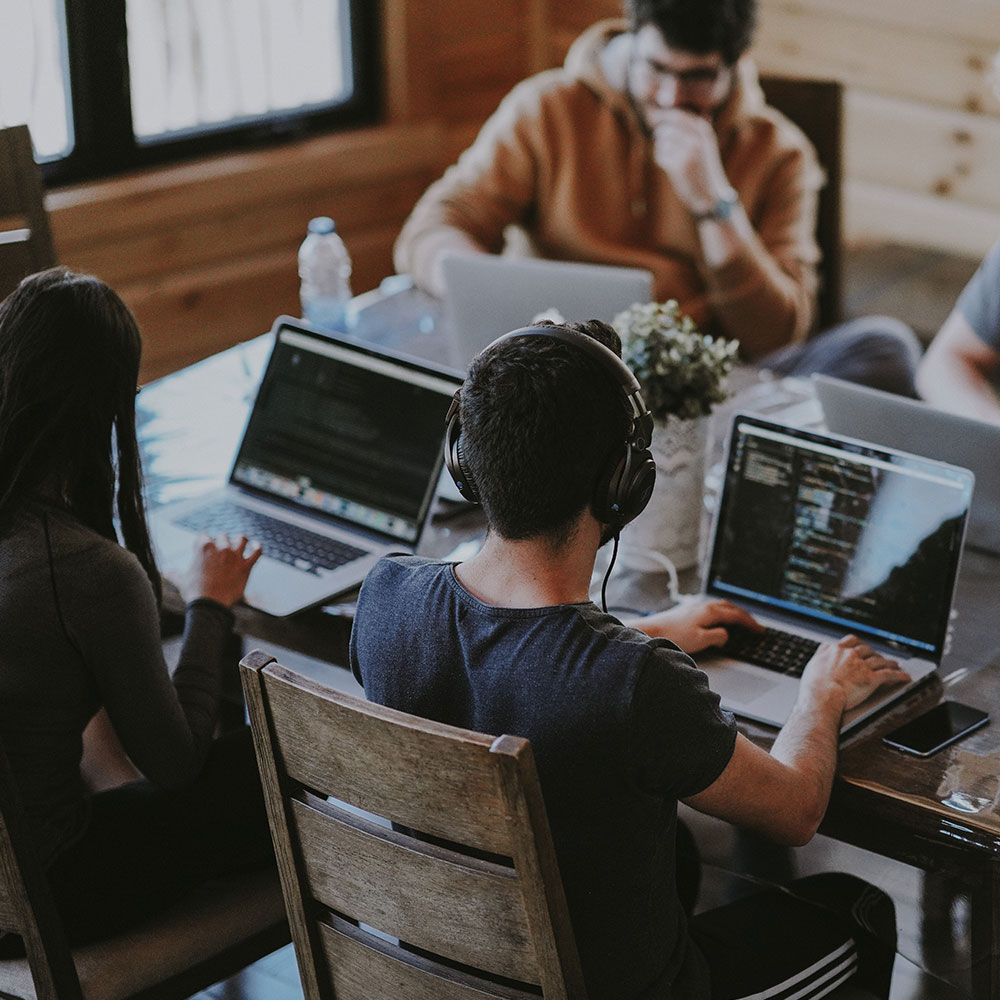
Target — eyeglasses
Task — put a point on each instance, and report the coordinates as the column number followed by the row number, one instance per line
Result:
column 700, row 81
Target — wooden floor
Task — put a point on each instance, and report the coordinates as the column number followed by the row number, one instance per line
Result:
column 920, row 288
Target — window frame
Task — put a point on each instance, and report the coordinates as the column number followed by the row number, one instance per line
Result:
column 101, row 110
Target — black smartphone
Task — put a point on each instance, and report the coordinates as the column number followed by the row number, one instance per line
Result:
column 936, row 728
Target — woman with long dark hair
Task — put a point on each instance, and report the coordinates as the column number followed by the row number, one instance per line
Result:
column 79, row 626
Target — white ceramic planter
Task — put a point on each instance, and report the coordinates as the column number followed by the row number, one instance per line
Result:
column 668, row 530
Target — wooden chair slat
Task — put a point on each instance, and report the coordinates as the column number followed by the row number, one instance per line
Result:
column 324, row 743
column 469, row 910
column 30, row 910
column 9, row 920
column 362, row 967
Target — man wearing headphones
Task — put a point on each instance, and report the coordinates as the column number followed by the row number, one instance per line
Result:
column 549, row 433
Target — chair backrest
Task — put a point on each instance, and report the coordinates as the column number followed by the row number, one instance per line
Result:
column 25, row 237
column 816, row 106
column 26, row 904
column 416, row 858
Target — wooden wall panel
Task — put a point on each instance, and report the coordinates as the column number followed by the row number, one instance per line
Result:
column 922, row 120
column 459, row 59
column 879, row 211
column 572, row 16
column 206, row 254
column 236, row 301
column 923, row 150
column 568, row 19
column 920, row 50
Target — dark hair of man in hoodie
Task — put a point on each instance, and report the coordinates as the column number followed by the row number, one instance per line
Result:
column 699, row 26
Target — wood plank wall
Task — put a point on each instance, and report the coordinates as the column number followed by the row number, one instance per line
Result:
column 922, row 122
column 205, row 252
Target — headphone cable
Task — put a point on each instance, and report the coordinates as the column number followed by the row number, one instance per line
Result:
column 611, row 566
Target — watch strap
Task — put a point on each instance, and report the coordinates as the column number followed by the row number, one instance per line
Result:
column 723, row 208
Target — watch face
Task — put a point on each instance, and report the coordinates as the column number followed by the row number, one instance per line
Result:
column 725, row 206
column 722, row 209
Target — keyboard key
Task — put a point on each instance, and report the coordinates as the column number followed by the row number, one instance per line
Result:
column 783, row 652
column 305, row 550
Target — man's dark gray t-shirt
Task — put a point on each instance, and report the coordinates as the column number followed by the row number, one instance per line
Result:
column 979, row 302
column 621, row 726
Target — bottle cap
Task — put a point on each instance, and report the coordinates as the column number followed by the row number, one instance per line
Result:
column 322, row 224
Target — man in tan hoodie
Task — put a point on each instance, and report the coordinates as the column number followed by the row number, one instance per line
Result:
column 652, row 147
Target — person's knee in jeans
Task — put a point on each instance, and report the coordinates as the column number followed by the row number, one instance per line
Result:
column 878, row 351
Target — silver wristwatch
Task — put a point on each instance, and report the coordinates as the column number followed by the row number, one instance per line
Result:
column 723, row 208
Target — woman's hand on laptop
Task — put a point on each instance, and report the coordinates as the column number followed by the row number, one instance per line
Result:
column 849, row 668
column 220, row 569
column 696, row 623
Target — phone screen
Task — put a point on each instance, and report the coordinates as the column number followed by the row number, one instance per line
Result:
column 936, row 728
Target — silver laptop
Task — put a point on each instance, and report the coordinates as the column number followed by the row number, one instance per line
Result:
column 818, row 537
column 486, row 295
column 338, row 466
column 911, row 425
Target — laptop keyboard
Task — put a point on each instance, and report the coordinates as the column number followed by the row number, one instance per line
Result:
column 774, row 649
column 305, row 550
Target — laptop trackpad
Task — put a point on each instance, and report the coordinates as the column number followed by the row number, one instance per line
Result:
column 737, row 686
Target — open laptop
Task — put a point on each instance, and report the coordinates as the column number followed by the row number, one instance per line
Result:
column 486, row 295
column 819, row 537
column 911, row 425
column 338, row 466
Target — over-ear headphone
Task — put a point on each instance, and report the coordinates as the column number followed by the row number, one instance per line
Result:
column 624, row 488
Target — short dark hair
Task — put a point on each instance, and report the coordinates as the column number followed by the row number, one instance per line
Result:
column 69, row 363
column 541, row 421
column 701, row 26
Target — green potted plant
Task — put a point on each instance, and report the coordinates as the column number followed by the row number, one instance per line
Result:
column 682, row 373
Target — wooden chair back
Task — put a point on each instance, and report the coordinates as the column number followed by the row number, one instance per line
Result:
column 416, row 858
column 26, row 905
column 817, row 107
column 25, row 237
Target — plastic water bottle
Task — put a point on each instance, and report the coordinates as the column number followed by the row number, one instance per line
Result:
column 325, row 273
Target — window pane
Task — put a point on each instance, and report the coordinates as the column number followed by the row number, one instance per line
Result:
column 200, row 63
column 34, row 74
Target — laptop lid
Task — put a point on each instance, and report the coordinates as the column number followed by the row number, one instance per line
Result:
column 486, row 295
column 840, row 534
column 346, row 432
column 821, row 536
column 911, row 425
column 337, row 466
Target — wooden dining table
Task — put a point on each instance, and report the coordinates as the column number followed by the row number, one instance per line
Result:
column 940, row 814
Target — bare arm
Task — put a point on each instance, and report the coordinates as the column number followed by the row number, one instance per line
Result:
column 784, row 793
column 957, row 371
column 105, row 763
